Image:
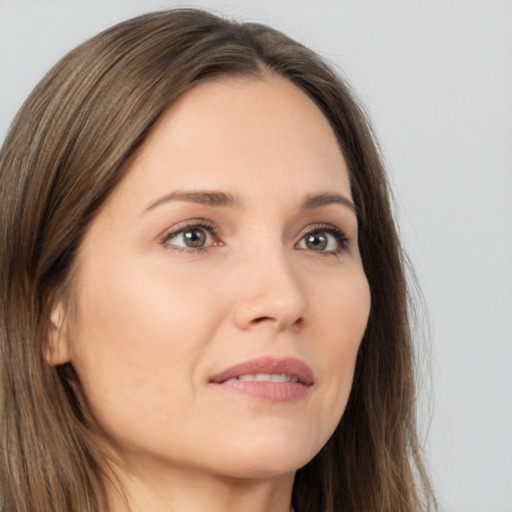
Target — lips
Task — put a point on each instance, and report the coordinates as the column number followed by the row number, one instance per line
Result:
column 269, row 379
column 270, row 366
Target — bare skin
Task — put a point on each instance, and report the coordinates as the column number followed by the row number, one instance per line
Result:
column 230, row 245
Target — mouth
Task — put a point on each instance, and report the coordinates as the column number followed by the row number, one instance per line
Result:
column 264, row 377
column 268, row 379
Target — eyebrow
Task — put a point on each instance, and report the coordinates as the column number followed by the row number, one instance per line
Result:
column 320, row 200
column 215, row 198
column 206, row 197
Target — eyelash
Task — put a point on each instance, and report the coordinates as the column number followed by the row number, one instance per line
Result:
column 209, row 227
column 341, row 237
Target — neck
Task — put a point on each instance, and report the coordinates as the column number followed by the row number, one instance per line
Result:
column 182, row 490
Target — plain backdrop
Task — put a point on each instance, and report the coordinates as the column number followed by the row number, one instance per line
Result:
column 436, row 78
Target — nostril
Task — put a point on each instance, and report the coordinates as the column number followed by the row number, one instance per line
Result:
column 271, row 320
column 262, row 319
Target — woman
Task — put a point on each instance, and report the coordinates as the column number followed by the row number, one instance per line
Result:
column 203, row 299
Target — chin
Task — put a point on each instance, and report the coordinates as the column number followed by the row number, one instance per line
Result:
column 268, row 458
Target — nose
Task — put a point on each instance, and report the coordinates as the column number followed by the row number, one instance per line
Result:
column 270, row 294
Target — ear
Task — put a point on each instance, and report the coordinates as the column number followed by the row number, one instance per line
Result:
column 57, row 350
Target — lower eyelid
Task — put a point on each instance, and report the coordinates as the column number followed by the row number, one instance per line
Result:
column 167, row 241
column 341, row 238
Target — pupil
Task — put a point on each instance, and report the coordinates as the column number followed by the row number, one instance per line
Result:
column 195, row 238
column 317, row 241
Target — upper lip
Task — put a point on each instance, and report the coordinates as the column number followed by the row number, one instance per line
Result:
column 271, row 365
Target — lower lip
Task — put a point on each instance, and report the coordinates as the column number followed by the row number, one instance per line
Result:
column 273, row 392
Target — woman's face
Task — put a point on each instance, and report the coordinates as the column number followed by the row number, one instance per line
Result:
column 219, row 293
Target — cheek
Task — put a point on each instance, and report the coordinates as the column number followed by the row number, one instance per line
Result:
column 126, row 307
column 342, row 313
column 137, row 338
column 342, row 323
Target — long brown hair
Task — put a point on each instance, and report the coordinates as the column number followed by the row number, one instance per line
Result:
column 65, row 153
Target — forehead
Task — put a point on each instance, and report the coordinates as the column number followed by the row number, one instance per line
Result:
column 241, row 133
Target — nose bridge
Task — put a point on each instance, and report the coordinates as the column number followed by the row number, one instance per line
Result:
column 270, row 289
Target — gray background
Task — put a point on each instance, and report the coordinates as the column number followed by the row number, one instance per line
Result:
column 437, row 79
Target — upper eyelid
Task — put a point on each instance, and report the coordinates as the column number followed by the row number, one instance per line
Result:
column 332, row 228
column 182, row 227
column 321, row 225
column 213, row 229
column 343, row 238
column 189, row 224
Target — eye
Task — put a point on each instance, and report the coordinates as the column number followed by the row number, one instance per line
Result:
column 326, row 239
column 191, row 237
